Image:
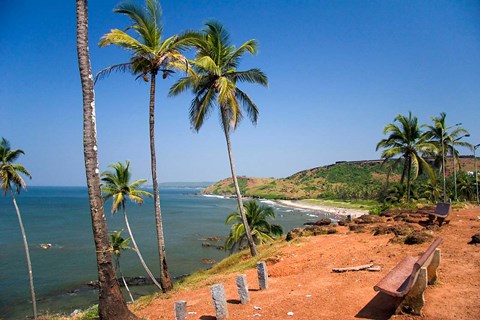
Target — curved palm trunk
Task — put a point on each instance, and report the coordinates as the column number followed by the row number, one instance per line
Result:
column 123, row 278
column 164, row 275
column 138, row 250
column 248, row 233
column 27, row 254
column 111, row 302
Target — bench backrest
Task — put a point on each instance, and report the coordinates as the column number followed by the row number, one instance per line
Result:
column 428, row 253
column 426, row 256
column 443, row 209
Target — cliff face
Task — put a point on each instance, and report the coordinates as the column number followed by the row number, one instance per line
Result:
column 342, row 180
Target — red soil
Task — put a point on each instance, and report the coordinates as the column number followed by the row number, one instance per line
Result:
column 301, row 280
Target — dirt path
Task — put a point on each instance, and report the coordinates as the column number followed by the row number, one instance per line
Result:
column 301, row 281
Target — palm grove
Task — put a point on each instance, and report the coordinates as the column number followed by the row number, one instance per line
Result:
column 212, row 76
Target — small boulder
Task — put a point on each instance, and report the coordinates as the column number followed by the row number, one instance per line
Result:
column 294, row 233
column 417, row 237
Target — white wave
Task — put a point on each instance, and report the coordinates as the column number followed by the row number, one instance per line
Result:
column 214, row 196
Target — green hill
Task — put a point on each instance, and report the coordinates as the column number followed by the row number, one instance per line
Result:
column 342, row 180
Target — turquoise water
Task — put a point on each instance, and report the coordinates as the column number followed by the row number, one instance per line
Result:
column 60, row 216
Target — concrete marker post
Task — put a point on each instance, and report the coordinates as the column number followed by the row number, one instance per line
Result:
column 180, row 310
column 242, row 286
column 262, row 275
column 219, row 301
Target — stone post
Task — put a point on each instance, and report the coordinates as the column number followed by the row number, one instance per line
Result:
column 180, row 310
column 241, row 281
column 219, row 301
column 262, row 275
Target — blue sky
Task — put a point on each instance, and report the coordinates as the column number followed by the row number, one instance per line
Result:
column 339, row 71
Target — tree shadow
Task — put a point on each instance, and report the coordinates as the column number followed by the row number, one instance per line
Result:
column 234, row 301
column 381, row 307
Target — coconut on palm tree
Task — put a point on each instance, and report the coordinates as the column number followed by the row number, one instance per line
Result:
column 116, row 185
column 11, row 181
column 213, row 80
column 407, row 141
column 111, row 304
column 119, row 244
column 150, row 54
column 257, row 217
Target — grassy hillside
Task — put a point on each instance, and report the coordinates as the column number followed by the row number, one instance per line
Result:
column 342, row 180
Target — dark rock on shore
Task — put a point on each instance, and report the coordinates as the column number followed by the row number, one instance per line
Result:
column 321, row 222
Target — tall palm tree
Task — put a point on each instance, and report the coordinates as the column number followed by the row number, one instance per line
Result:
column 119, row 244
column 10, row 176
column 438, row 133
column 407, row 141
column 116, row 184
column 111, row 303
column 150, row 55
column 213, row 81
column 257, row 217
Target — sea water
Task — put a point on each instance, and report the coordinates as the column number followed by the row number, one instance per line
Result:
column 60, row 217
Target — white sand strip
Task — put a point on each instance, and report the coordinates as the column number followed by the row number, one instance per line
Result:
column 312, row 206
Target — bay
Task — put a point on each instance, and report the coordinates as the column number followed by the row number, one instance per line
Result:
column 60, row 216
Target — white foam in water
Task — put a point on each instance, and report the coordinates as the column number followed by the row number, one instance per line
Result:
column 214, row 196
column 269, row 202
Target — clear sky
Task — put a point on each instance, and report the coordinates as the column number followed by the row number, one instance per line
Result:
column 339, row 71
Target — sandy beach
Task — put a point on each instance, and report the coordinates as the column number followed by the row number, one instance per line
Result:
column 340, row 212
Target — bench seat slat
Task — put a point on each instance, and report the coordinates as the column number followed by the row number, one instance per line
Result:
column 396, row 282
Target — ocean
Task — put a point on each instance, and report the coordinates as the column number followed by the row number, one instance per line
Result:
column 60, row 216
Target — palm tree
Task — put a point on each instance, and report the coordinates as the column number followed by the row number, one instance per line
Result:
column 213, row 81
column 150, row 54
column 10, row 175
column 262, row 230
column 116, row 184
column 111, row 303
column 120, row 244
column 444, row 140
column 407, row 141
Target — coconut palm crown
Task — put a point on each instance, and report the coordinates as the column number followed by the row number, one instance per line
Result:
column 116, row 184
column 150, row 52
column 10, row 171
column 262, row 230
column 407, row 141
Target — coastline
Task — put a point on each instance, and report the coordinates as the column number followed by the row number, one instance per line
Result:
column 343, row 212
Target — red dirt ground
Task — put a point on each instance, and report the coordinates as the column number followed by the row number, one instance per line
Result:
column 301, row 280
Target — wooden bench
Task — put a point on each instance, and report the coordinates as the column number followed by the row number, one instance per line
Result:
column 409, row 278
column 441, row 212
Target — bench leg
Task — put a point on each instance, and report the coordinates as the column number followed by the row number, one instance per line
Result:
column 431, row 218
column 432, row 268
column 440, row 221
column 414, row 301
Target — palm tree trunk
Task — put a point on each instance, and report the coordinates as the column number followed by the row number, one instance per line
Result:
column 248, row 233
column 111, row 302
column 27, row 253
column 164, row 275
column 409, row 172
column 123, row 278
column 138, row 250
